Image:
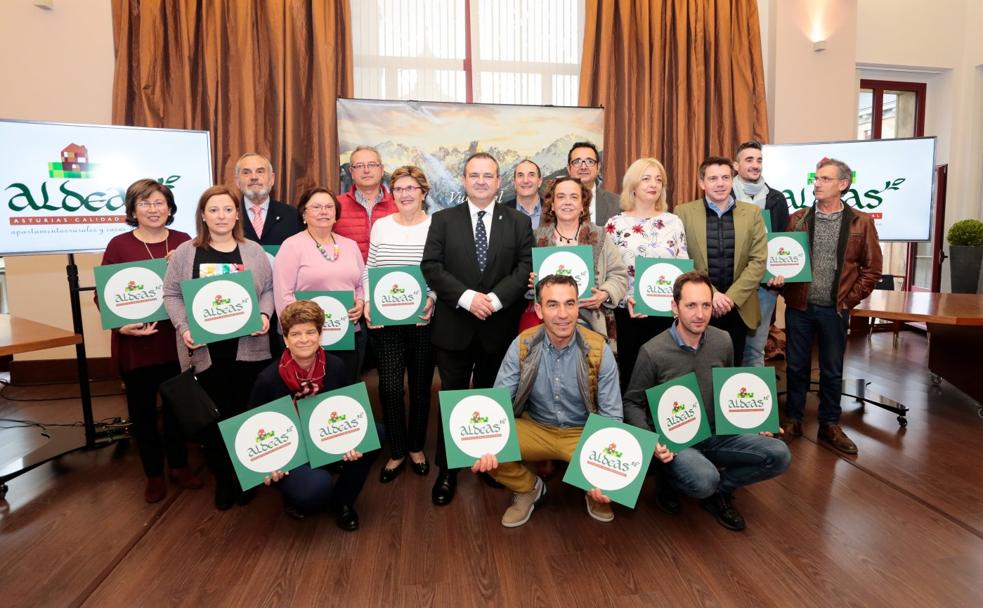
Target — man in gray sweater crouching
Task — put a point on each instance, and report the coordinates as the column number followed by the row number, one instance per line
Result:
column 691, row 345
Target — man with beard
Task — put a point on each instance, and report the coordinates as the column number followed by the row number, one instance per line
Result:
column 270, row 222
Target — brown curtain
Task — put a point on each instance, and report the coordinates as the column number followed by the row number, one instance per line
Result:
column 679, row 80
column 259, row 75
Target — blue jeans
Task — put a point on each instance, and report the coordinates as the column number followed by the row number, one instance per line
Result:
column 745, row 459
column 801, row 327
column 754, row 347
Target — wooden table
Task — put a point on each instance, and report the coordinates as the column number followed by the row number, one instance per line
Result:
column 21, row 336
column 955, row 332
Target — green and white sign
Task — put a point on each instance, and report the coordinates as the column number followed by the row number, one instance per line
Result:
column 397, row 295
column 745, row 400
column 271, row 251
column 613, row 457
column 677, row 412
column 263, row 440
column 131, row 293
column 336, row 422
column 221, row 307
column 478, row 422
column 576, row 261
column 654, row 278
column 766, row 216
column 788, row 256
column 337, row 333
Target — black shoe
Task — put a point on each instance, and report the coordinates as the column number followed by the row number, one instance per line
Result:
column 489, row 481
column 245, row 497
column 386, row 474
column 347, row 518
column 293, row 512
column 420, row 468
column 719, row 505
column 444, row 488
column 667, row 499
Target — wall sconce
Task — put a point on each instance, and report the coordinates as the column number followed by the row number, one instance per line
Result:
column 819, row 46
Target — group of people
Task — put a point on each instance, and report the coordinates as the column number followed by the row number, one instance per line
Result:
column 490, row 321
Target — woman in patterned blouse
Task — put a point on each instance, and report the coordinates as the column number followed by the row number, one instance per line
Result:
column 644, row 228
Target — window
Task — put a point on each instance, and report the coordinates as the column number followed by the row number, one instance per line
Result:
column 488, row 51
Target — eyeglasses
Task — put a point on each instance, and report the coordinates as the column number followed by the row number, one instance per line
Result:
column 577, row 162
column 151, row 204
column 406, row 190
column 320, row 208
column 825, row 179
column 360, row 166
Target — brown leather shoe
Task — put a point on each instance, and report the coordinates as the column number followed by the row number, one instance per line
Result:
column 791, row 429
column 156, row 489
column 186, row 478
column 833, row 435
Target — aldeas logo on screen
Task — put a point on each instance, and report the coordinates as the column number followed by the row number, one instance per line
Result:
column 869, row 199
column 73, row 195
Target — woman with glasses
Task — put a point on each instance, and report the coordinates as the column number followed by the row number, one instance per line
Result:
column 318, row 259
column 226, row 368
column 644, row 228
column 398, row 240
column 145, row 353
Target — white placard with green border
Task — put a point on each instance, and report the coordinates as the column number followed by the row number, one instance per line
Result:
column 221, row 307
column 271, row 251
column 478, row 422
column 263, row 440
column 677, row 412
column 613, row 457
column 397, row 295
column 132, row 292
column 745, row 400
column 576, row 261
column 788, row 256
column 336, row 422
column 654, row 278
column 337, row 333
column 766, row 216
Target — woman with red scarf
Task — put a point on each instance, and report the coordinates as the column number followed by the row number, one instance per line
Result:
column 304, row 370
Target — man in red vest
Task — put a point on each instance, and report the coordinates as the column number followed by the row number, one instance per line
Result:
column 367, row 201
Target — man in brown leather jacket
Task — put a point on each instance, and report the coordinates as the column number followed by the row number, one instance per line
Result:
column 846, row 265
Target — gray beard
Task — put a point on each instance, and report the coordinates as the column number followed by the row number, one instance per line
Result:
column 257, row 197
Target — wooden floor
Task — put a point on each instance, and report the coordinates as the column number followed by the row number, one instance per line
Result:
column 900, row 525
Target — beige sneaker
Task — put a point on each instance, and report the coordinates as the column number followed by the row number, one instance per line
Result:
column 601, row 511
column 523, row 504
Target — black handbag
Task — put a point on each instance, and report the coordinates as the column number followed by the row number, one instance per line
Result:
column 190, row 404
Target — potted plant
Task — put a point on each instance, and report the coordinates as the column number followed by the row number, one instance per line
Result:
column 965, row 253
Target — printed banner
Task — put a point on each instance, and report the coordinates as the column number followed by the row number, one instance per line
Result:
column 438, row 137
column 221, row 307
column 338, row 333
column 336, row 422
column 131, row 293
column 398, row 295
column 613, row 457
column 678, row 414
column 478, row 422
column 745, row 400
column 788, row 256
column 64, row 186
column 263, row 440
column 654, row 278
column 576, row 261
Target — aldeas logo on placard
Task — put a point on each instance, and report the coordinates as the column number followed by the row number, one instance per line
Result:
column 74, row 164
column 681, row 415
column 332, row 324
column 478, row 427
column 784, row 257
column 223, row 308
column 660, row 287
column 745, row 401
column 339, row 425
column 134, row 293
column 610, row 460
column 268, row 442
column 397, row 296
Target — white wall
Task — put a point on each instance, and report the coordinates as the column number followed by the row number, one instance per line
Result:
column 59, row 69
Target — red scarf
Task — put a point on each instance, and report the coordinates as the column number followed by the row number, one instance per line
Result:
column 302, row 383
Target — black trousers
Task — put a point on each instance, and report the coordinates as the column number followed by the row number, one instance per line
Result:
column 473, row 367
column 141, row 401
column 734, row 325
column 632, row 335
column 229, row 384
column 401, row 349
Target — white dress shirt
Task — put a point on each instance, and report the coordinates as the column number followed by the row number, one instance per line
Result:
column 468, row 296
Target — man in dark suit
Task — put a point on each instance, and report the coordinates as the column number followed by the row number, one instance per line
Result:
column 268, row 222
column 477, row 259
column 584, row 163
column 527, row 179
